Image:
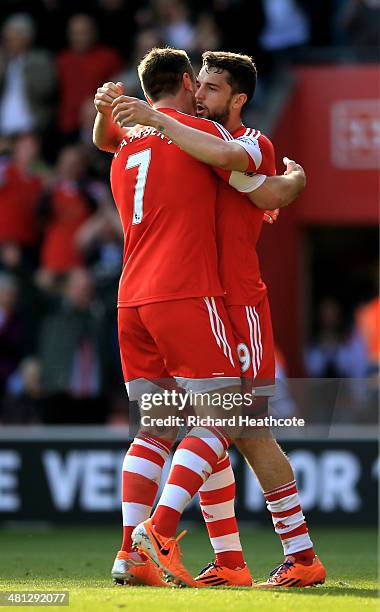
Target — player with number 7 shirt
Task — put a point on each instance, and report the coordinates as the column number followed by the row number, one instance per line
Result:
column 248, row 182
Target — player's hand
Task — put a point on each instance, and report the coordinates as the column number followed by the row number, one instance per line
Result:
column 127, row 111
column 270, row 216
column 292, row 166
column 295, row 170
column 105, row 95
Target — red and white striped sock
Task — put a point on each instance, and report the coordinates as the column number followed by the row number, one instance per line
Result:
column 289, row 522
column 217, row 498
column 194, row 460
column 142, row 469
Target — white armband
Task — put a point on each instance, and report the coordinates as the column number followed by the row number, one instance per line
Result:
column 245, row 183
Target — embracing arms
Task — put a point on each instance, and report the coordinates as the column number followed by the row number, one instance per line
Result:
column 116, row 111
column 272, row 193
column 106, row 134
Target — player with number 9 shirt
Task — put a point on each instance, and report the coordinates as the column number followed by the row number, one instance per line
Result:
column 167, row 204
column 222, row 80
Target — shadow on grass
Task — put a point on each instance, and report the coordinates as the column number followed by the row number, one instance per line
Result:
column 319, row 591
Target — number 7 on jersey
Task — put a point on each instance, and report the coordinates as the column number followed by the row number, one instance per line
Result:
column 141, row 160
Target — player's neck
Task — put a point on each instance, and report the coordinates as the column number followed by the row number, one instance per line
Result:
column 179, row 103
column 233, row 123
column 168, row 102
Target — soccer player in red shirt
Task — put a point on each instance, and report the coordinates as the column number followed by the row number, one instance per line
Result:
column 108, row 138
column 226, row 83
column 172, row 320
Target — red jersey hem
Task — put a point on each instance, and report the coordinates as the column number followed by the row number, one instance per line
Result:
column 167, row 298
column 244, row 301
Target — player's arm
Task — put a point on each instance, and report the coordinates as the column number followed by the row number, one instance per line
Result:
column 106, row 134
column 240, row 155
column 205, row 147
column 279, row 191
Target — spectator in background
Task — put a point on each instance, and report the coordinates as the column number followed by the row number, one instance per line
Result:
column 367, row 331
column 64, row 208
column 73, row 352
column 336, row 352
column 12, row 343
column 24, row 400
column 100, row 240
column 82, row 68
column 367, row 326
column 286, row 28
column 20, row 192
column 35, row 292
column 145, row 41
column 27, row 79
column 176, row 28
column 207, row 35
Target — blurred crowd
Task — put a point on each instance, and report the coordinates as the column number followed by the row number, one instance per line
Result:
column 60, row 237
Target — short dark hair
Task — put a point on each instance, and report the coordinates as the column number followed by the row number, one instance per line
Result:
column 242, row 73
column 161, row 72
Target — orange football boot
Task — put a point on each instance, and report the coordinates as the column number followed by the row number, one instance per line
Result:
column 136, row 568
column 164, row 552
column 292, row 574
column 217, row 575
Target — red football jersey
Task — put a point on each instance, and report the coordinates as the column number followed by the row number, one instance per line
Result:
column 238, row 227
column 167, row 204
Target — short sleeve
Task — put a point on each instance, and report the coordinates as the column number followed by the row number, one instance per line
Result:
column 260, row 151
column 252, row 147
column 258, row 147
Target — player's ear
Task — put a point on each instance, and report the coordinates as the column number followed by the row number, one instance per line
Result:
column 239, row 100
column 187, row 82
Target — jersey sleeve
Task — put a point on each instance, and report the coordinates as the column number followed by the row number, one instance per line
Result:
column 260, row 151
column 262, row 163
column 259, row 148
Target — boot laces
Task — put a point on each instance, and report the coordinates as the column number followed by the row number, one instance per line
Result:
column 211, row 565
column 280, row 569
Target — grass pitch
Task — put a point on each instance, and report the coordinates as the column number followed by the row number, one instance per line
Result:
column 80, row 559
